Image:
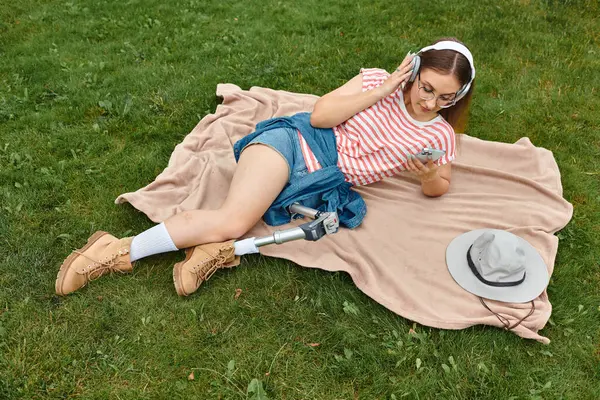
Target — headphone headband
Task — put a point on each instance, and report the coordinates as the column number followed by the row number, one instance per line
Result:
column 459, row 48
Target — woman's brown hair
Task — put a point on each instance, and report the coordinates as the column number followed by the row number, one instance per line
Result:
column 448, row 62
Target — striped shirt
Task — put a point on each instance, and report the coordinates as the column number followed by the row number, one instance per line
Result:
column 376, row 142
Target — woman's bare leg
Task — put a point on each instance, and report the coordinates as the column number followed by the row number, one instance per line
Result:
column 260, row 176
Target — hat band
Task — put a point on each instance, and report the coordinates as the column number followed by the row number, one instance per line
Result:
column 490, row 283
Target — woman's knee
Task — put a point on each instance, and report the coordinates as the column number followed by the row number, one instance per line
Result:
column 236, row 226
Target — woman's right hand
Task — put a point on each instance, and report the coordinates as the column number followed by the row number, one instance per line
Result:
column 398, row 77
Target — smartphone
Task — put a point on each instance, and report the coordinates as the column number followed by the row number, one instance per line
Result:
column 429, row 153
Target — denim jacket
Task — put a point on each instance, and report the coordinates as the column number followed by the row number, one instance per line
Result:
column 325, row 189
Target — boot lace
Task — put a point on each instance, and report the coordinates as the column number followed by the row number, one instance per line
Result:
column 97, row 268
column 205, row 270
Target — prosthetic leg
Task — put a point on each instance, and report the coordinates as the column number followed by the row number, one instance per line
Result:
column 324, row 223
column 203, row 260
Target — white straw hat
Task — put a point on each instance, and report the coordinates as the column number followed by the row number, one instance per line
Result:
column 497, row 265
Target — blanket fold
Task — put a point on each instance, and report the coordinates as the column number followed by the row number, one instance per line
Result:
column 397, row 256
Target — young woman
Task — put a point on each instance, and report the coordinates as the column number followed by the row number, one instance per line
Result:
column 368, row 129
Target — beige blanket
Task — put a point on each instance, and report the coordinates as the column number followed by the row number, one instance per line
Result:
column 397, row 256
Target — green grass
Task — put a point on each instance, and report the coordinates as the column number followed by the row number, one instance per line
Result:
column 94, row 95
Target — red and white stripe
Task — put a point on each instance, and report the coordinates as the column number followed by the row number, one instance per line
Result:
column 376, row 142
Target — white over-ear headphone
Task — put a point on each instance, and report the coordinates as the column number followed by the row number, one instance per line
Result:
column 446, row 45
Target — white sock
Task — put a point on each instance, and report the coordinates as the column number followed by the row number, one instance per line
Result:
column 152, row 241
column 245, row 246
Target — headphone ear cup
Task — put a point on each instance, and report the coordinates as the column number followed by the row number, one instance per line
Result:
column 462, row 91
column 416, row 62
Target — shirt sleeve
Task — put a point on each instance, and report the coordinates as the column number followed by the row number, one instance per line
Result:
column 449, row 144
column 372, row 78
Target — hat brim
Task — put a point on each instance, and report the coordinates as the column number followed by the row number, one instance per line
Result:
column 535, row 282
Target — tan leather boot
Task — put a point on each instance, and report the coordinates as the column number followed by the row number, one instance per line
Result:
column 103, row 253
column 200, row 264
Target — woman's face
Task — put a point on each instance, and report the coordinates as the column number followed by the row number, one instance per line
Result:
column 432, row 83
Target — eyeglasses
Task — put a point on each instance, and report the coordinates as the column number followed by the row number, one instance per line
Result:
column 443, row 101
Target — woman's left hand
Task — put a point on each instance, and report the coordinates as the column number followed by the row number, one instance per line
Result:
column 425, row 172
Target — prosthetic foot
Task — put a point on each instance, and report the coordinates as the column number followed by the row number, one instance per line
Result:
column 200, row 263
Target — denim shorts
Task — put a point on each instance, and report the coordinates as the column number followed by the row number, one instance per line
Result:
column 285, row 141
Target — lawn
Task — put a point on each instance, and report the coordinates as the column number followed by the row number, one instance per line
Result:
column 94, row 95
